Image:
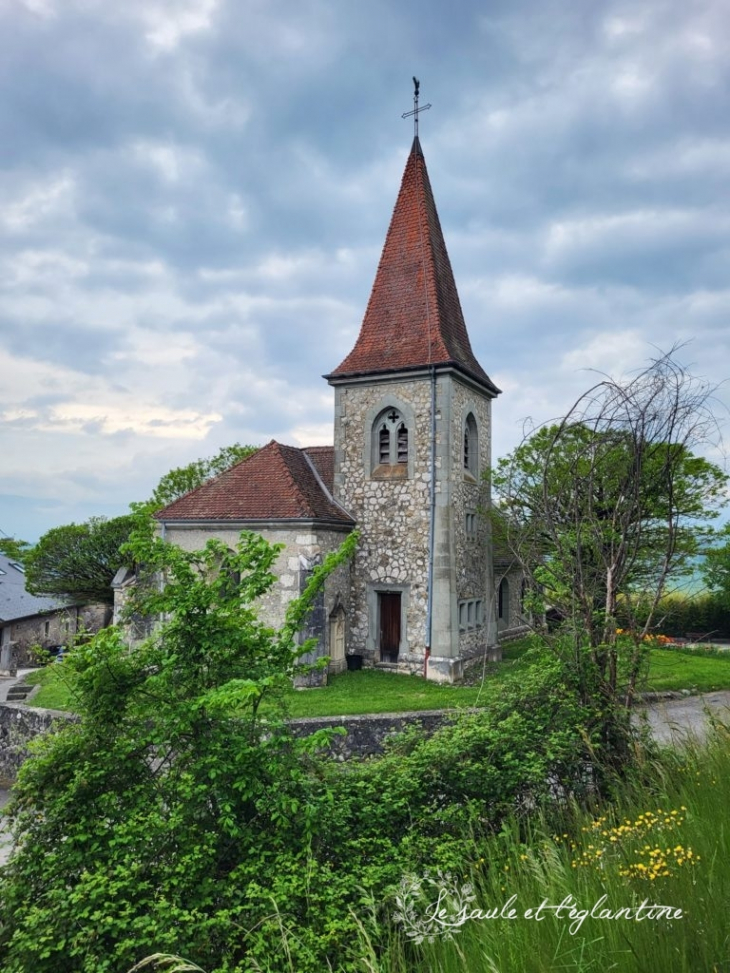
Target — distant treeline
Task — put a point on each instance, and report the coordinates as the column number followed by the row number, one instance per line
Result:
column 684, row 615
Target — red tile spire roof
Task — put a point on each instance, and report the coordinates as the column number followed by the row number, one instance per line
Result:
column 275, row 483
column 414, row 317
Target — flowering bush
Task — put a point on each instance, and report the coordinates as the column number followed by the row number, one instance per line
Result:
column 652, row 639
column 621, row 845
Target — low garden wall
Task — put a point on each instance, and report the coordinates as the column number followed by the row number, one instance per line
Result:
column 365, row 736
column 19, row 724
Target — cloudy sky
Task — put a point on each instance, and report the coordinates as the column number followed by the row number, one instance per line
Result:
column 194, row 194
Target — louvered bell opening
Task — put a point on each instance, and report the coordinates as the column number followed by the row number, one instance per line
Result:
column 402, row 443
column 384, row 445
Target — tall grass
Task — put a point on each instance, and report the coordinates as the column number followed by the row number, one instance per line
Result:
column 665, row 841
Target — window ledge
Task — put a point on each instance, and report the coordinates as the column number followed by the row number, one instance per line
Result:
column 386, row 472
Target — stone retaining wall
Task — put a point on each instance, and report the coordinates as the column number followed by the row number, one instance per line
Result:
column 365, row 736
column 18, row 726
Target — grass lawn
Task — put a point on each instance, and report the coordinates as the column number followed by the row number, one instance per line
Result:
column 348, row 694
column 371, row 691
column 699, row 670
column 375, row 691
column 54, row 692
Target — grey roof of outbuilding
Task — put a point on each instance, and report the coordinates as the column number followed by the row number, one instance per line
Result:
column 15, row 601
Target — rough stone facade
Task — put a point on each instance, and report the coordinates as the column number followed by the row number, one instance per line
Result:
column 512, row 619
column 303, row 548
column 393, row 515
column 472, row 537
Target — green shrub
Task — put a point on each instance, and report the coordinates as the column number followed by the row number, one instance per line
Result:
column 180, row 815
column 662, row 840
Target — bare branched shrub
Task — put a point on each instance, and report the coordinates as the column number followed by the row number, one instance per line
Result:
column 604, row 507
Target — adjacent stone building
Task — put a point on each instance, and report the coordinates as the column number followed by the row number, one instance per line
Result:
column 284, row 494
column 412, row 445
column 29, row 622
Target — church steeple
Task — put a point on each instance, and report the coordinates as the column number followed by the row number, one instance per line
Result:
column 414, row 318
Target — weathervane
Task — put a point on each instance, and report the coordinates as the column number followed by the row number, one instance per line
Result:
column 416, row 109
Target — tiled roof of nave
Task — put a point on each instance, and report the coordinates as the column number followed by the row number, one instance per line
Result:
column 274, row 483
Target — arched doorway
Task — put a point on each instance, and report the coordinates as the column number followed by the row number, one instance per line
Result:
column 337, row 639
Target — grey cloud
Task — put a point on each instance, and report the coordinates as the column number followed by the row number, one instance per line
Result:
column 61, row 340
column 229, row 283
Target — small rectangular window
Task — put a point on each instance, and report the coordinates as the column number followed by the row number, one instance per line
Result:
column 471, row 614
column 471, row 526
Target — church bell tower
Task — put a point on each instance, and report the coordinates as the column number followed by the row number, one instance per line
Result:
column 412, row 445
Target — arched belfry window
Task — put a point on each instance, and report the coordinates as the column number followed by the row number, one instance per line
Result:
column 391, row 442
column 471, row 446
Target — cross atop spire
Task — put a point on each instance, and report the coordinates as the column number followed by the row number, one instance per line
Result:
column 416, row 109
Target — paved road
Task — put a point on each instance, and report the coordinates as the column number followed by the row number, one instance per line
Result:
column 677, row 720
column 671, row 721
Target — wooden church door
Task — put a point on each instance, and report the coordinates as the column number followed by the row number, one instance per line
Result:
column 337, row 639
column 389, row 625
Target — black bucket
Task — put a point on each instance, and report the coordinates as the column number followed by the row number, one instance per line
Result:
column 354, row 663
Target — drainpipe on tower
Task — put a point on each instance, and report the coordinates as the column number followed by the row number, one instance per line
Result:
column 431, row 525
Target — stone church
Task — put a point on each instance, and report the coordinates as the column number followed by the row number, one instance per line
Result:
column 412, row 442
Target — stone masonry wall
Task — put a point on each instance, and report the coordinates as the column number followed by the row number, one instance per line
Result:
column 392, row 514
column 303, row 548
column 18, row 726
column 515, row 623
column 470, row 494
column 53, row 628
column 365, row 736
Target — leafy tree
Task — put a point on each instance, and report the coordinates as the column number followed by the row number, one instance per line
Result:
column 15, row 549
column 79, row 561
column 152, row 823
column 608, row 505
column 716, row 566
column 183, row 479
